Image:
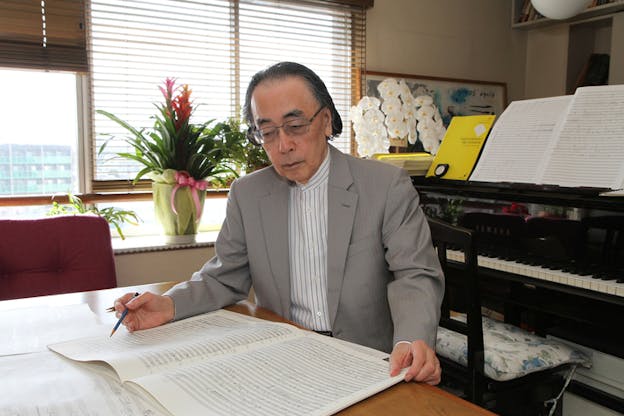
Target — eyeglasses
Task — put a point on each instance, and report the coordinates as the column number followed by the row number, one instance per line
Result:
column 293, row 128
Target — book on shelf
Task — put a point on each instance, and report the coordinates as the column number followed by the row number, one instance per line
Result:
column 460, row 147
column 225, row 363
column 416, row 164
column 567, row 141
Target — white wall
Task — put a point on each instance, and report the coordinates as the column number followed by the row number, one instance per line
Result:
column 547, row 55
column 160, row 266
column 447, row 38
column 616, row 65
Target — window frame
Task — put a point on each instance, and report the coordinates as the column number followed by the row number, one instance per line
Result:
column 92, row 191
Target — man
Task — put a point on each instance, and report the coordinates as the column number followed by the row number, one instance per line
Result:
column 334, row 243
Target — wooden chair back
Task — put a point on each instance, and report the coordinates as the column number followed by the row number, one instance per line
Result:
column 461, row 282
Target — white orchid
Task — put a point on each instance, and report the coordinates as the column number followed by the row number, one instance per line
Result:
column 389, row 88
column 404, row 91
column 391, row 105
column 399, row 115
column 368, row 124
column 423, row 100
column 430, row 128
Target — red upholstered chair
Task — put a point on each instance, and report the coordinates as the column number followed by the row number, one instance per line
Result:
column 55, row 255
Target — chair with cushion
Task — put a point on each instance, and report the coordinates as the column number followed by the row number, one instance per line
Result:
column 493, row 364
column 55, row 255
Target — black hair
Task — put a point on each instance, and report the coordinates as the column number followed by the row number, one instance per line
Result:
column 291, row 69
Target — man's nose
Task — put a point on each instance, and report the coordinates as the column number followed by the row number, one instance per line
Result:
column 285, row 143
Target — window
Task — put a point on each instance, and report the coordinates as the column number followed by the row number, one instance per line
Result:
column 215, row 47
column 76, row 56
column 42, row 133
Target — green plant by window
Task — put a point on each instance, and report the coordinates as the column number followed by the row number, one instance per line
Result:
column 246, row 156
column 114, row 216
column 174, row 143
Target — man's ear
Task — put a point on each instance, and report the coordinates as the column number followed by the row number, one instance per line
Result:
column 328, row 122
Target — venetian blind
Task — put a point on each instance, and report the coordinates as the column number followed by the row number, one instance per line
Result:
column 215, row 46
column 43, row 34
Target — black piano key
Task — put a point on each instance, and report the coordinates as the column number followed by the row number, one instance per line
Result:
column 597, row 275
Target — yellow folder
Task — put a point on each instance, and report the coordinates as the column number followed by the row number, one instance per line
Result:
column 460, row 148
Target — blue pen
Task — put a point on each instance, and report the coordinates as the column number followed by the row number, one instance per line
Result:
column 121, row 318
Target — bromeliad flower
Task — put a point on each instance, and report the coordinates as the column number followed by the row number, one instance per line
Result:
column 174, row 143
column 182, row 107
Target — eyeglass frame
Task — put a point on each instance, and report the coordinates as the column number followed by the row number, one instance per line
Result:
column 256, row 133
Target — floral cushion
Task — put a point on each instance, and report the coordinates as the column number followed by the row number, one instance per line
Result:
column 510, row 352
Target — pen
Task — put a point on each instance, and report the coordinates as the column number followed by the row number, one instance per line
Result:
column 121, row 318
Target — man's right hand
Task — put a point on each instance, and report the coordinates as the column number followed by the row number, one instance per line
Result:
column 145, row 311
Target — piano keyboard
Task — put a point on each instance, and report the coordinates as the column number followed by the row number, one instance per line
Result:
column 611, row 287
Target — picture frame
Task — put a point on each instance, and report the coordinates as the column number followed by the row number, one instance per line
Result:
column 451, row 96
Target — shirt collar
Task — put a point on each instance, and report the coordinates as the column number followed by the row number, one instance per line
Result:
column 321, row 175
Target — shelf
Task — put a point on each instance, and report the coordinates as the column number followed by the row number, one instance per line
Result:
column 597, row 11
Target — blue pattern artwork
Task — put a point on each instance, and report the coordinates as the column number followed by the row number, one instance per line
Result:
column 452, row 97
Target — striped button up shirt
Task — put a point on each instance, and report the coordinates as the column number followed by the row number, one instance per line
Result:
column 307, row 233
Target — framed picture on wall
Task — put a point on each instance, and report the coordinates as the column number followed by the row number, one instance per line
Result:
column 453, row 97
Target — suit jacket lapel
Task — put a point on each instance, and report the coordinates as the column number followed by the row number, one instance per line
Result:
column 274, row 217
column 342, row 205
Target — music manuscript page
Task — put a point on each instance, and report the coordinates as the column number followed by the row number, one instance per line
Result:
column 569, row 141
column 224, row 363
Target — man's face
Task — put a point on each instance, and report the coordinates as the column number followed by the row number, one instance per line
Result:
column 275, row 102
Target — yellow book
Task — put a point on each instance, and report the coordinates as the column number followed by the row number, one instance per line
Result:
column 460, row 148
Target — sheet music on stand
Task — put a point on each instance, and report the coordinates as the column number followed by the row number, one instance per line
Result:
column 567, row 141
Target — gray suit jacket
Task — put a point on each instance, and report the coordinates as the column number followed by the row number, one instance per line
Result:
column 384, row 279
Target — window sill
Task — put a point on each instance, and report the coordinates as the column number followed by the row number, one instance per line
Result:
column 144, row 244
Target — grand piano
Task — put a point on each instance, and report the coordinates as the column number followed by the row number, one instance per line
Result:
column 559, row 275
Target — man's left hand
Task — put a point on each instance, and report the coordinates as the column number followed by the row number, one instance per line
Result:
column 423, row 364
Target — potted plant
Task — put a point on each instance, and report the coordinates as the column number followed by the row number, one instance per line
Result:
column 114, row 216
column 245, row 156
column 180, row 158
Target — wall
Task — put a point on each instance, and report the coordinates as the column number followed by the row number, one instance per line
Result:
column 447, row 38
column 558, row 51
column 616, row 65
column 160, row 266
column 546, row 61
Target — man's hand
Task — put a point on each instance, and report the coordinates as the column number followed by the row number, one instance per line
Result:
column 145, row 311
column 423, row 364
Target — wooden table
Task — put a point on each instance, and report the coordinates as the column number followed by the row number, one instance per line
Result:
column 401, row 399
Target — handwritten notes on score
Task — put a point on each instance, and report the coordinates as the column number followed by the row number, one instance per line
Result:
column 568, row 141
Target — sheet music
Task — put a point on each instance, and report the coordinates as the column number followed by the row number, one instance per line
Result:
column 226, row 363
column 308, row 375
column 178, row 343
column 590, row 148
column 31, row 329
column 517, row 145
column 45, row 383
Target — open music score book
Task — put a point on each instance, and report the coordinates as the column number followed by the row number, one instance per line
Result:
column 567, row 141
column 224, row 363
